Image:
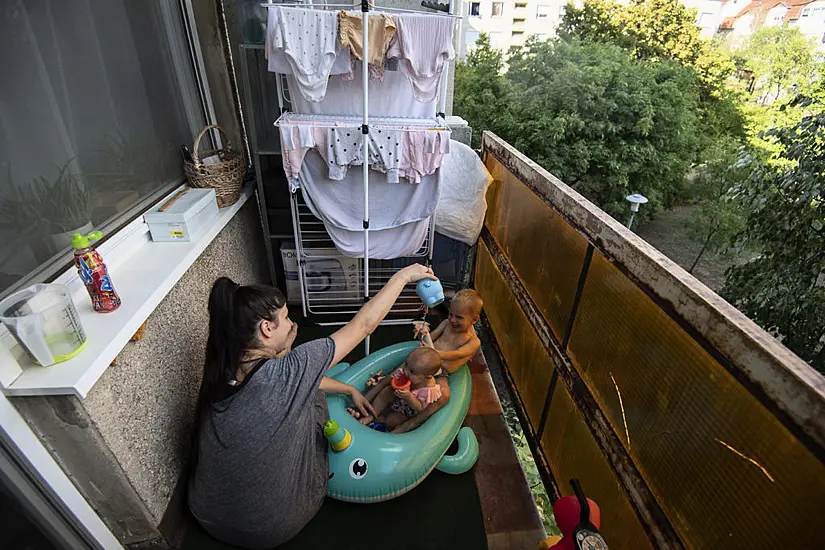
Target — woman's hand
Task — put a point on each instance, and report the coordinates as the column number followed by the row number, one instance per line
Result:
column 290, row 339
column 361, row 403
column 416, row 272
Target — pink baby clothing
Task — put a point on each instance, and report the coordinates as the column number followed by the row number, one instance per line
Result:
column 296, row 140
column 424, row 44
column 426, row 395
column 422, row 153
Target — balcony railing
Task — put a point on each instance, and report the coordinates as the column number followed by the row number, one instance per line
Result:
column 687, row 423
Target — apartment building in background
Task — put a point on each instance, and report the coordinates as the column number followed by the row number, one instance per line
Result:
column 510, row 22
column 741, row 18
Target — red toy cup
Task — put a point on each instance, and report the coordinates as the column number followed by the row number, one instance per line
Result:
column 401, row 383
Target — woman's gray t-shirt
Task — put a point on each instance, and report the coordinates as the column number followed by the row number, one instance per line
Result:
column 262, row 464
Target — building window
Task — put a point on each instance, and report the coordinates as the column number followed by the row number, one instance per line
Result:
column 498, row 9
column 817, row 12
column 562, row 10
column 95, row 123
column 521, row 5
column 518, row 20
column 823, row 38
column 806, row 12
column 518, row 33
column 542, row 12
column 705, row 19
column 475, row 9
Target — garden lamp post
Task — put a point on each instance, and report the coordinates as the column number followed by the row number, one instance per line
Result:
column 635, row 201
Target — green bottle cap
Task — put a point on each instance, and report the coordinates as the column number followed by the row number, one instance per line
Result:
column 82, row 241
column 330, row 428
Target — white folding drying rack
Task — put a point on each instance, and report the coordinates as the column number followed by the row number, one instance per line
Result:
column 311, row 237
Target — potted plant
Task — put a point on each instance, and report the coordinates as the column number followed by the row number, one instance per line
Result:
column 47, row 213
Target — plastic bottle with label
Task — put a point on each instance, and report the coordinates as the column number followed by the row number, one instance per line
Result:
column 94, row 274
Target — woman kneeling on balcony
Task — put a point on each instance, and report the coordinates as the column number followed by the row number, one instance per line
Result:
column 260, row 456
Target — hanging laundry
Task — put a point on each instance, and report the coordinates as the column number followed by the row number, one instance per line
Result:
column 277, row 61
column 392, row 97
column 410, row 152
column 309, row 41
column 381, row 30
column 399, row 214
column 424, row 45
column 423, row 153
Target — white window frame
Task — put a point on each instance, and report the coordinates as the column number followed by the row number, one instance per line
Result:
column 470, row 9
column 493, row 10
column 185, row 50
column 544, row 15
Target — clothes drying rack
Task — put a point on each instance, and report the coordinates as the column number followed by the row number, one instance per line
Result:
column 366, row 7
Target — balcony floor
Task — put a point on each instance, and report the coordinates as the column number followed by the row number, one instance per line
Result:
column 489, row 507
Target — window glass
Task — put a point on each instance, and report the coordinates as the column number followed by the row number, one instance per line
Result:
column 498, row 9
column 98, row 98
column 806, row 12
column 475, row 9
column 542, row 12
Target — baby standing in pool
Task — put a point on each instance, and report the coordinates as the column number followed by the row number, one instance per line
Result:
column 395, row 406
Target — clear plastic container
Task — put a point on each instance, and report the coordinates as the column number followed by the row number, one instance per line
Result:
column 45, row 322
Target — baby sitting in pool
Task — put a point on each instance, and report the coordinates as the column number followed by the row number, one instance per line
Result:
column 396, row 406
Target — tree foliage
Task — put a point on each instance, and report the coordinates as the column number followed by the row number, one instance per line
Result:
column 651, row 29
column 481, row 91
column 783, row 288
column 605, row 123
column 780, row 60
column 717, row 217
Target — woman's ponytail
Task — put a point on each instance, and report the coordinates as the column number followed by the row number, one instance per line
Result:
column 234, row 314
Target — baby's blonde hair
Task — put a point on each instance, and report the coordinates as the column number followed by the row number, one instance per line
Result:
column 469, row 299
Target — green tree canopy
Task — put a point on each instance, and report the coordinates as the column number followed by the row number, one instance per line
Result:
column 604, row 123
column 481, row 91
column 781, row 60
column 651, row 29
column 783, row 288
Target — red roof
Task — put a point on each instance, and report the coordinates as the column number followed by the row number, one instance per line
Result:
column 760, row 8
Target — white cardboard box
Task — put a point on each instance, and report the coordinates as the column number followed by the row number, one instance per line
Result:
column 185, row 218
column 334, row 273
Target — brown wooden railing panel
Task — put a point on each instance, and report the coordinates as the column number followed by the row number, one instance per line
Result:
column 688, row 424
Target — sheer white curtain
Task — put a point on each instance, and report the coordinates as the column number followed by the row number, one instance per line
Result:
column 92, row 90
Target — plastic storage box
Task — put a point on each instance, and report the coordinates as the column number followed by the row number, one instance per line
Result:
column 183, row 216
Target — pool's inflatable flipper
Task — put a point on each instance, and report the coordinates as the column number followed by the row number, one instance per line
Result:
column 378, row 466
column 466, row 456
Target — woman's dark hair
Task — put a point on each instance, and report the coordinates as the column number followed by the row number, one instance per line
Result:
column 234, row 314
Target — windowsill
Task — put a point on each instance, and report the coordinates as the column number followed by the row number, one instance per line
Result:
column 143, row 272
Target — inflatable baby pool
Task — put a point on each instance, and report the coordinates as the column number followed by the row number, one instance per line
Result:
column 378, row 466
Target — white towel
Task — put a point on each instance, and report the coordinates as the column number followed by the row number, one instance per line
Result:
column 399, row 212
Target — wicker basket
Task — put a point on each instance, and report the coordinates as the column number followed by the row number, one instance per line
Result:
column 224, row 176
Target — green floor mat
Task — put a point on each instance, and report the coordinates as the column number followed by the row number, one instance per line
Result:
column 442, row 513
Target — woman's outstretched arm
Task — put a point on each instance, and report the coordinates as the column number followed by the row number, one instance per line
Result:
column 374, row 311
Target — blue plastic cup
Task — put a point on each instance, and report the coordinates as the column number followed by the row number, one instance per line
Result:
column 431, row 292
